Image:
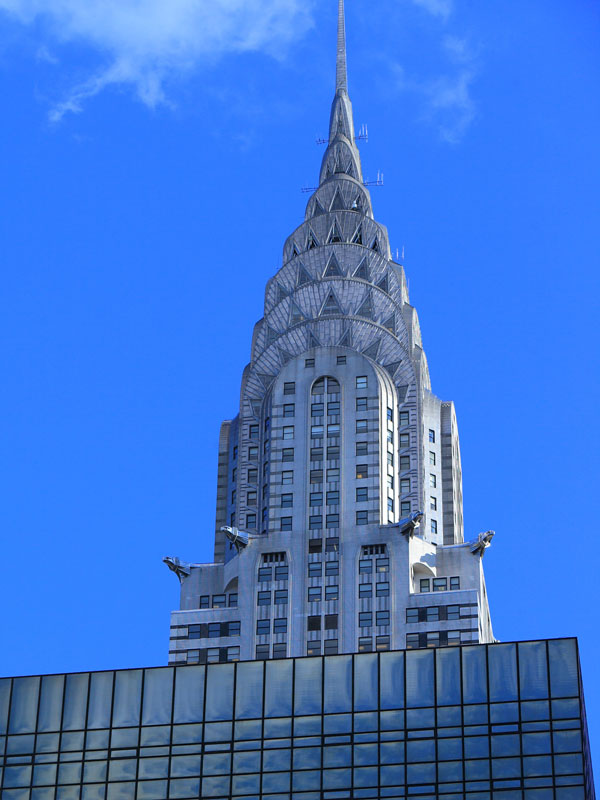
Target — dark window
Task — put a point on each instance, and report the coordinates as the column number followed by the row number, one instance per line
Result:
column 390, row 459
column 315, row 523
column 333, row 474
column 250, row 498
column 432, row 458
column 362, row 471
column 289, row 410
column 218, row 601
column 205, row 601
column 331, row 622
column 280, row 625
column 253, row 431
column 286, row 524
column 365, row 619
column 279, row 650
column 333, row 430
column 362, row 426
column 332, row 521
column 361, row 403
column 289, row 388
column 252, row 453
column 433, row 503
column 365, row 644
column 265, row 574
column 315, row 569
column 404, row 441
column 404, row 463
column 317, row 409
column 453, row 612
column 252, row 476
column 341, row 359
column 382, row 589
column 287, row 477
column 431, row 435
column 390, row 415
column 287, row 454
column 405, row 508
column 332, row 544
column 233, row 600
column 281, row 573
column 382, row 642
column 412, row 614
column 313, row 648
column 317, row 431
column 288, row 431
column 262, row 652
column 332, row 568
column 333, row 453
column 309, row 362
column 234, row 628
column 404, row 419
column 362, row 517
column 316, row 499
column 412, row 641
column 313, row 623
column 383, row 564
column 362, row 495
column 263, row 627
column 331, row 592
column 333, row 408
column 455, row 583
column 383, row 618
column 365, row 566
column 287, row 500
column 424, row 585
column 281, row 597
column 264, row 599
column 331, row 647
column 314, row 594
column 432, row 481
column 315, row 545
column 365, row 590
column 316, row 476
column 316, row 454
column 434, row 526
column 390, row 504
column 362, row 382
column 440, row 584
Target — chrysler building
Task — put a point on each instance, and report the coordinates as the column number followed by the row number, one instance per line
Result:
column 339, row 522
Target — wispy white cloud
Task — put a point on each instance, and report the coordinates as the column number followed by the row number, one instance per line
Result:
column 143, row 43
column 439, row 8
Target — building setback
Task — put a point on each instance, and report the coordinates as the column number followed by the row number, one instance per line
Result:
column 339, row 502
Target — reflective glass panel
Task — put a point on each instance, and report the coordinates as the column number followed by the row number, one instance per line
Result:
column 278, row 688
column 448, row 676
column 308, row 686
column 365, row 682
column 101, row 688
column 502, row 672
column 338, row 684
column 51, row 703
column 23, row 707
column 419, row 678
column 219, row 692
column 474, row 674
column 189, row 694
column 392, row 680
column 158, row 694
column 249, row 690
column 128, row 692
column 563, row 668
column 533, row 670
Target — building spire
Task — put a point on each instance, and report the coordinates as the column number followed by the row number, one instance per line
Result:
column 341, row 84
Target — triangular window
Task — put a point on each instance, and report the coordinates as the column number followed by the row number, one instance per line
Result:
column 338, row 203
column 362, row 270
column 304, row 276
column 390, row 324
column 357, row 238
column 296, row 315
column 318, row 208
column 312, row 340
column 392, row 368
column 332, row 269
column 271, row 335
column 281, row 293
column 335, row 236
column 312, row 242
column 356, row 203
column 346, row 340
column 284, row 356
column 375, row 245
column 366, row 308
column 373, row 350
column 295, row 251
column 331, row 305
column 383, row 283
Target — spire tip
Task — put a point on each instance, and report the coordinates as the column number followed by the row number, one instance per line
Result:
column 341, row 84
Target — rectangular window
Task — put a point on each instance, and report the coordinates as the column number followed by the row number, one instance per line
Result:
column 362, row 472
column 362, row 517
column 280, row 625
column 331, row 592
column 383, row 565
column 433, row 503
column 333, row 474
column 333, row 408
column 218, row 601
column 404, row 419
column 362, row 449
column 365, row 566
column 433, row 614
column 262, row 652
column 316, row 476
column 265, row 514
column 405, row 508
column 365, row 644
column 433, row 639
column 263, row 627
column 383, row 618
column 404, row 463
column 317, row 410
column 281, row 597
column 333, row 430
column 265, row 574
column 252, row 453
column 253, row 476
column 390, row 504
column 214, row 630
column 235, row 453
column 205, row 601
column 362, row 494
column 288, row 432
column 234, row 474
column 232, row 521
column 434, row 528
column 287, row 477
column 390, row 437
column 412, row 615
column 453, row 637
column 405, row 486
column 365, row 590
column 313, row 623
column 382, row 589
column 282, row 573
column 332, row 544
column 287, row 454
column 432, row 458
column 266, row 447
column 453, row 612
column 309, row 362
column 289, row 388
column 267, row 424
column 365, row 619
column 424, row 585
column 250, row 498
column 431, row 436
column 390, row 415
column 316, row 454
column 333, row 498
column 287, row 500
column 332, row 521
column 331, row 647
column 233, row 495
column 362, row 426
column 362, row 382
column 315, row 569
column 286, row 524
column 404, row 441
column 233, row 600
column 331, row 622
column 455, row 583
column 289, row 410
column 332, row 568
column 314, row 594
column 333, row 453
column 412, row 641
column 390, row 481
column 313, row 648
column 264, row 599
column 315, row 545
column 279, row 650
column 440, row 584
column 382, row 642
column 316, row 431
column 390, row 459
column 253, row 431
column 341, row 360
column 316, row 499
column 361, row 403
column 315, row 522
column 433, row 481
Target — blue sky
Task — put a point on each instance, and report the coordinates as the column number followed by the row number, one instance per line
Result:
column 153, row 157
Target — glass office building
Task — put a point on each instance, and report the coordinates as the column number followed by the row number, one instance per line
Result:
column 497, row 722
